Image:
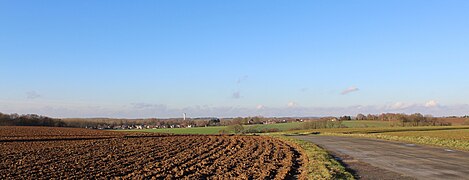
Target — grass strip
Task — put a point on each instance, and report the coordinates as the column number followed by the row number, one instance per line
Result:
column 434, row 141
column 372, row 130
column 319, row 164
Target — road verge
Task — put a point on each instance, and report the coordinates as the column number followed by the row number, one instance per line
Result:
column 319, row 165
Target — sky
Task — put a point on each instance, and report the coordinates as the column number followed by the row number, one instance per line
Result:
column 140, row 59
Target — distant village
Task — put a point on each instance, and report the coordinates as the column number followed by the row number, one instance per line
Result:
column 126, row 124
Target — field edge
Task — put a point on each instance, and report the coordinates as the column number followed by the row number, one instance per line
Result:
column 319, row 163
column 422, row 140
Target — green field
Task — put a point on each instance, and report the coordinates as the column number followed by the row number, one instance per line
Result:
column 455, row 137
column 279, row 126
column 196, row 130
column 365, row 124
column 260, row 127
column 217, row 129
column 375, row 130
column 453, row 134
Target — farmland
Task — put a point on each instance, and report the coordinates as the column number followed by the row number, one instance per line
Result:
column 217, row 129
column 365, row 123
column 260, row 127
column 45, row 152
column 447, row 136
column 457, row 138
column 33, row 152
column 195, row 130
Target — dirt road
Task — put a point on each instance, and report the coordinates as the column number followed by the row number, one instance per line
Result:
column 378, row 159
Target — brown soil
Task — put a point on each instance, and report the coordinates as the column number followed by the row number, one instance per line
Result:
column 45, row 153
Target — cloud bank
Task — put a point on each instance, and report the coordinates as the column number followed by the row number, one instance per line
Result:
column 431, row 104
column 292, row 104
column 148, row 110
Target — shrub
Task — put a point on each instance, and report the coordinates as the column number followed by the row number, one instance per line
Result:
column 322, row 124
column 237, row 128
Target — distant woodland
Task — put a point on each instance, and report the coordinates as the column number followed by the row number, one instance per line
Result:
column 29, row 120
column 397, row 119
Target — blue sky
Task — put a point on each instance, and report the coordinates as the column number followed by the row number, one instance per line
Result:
column 238, row 58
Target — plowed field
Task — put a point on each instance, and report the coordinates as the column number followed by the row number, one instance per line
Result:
column 44, row 153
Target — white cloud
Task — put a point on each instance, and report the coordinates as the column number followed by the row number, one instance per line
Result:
column 431, row 104
column 292, row 104
column 259, row 107
column 32, row 95
column 349, row 90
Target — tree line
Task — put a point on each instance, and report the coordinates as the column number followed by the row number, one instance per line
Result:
column 400, row 119
column 29, row 120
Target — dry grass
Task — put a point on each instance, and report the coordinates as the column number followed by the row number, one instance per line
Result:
column 454, row 137
column 320, row 165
